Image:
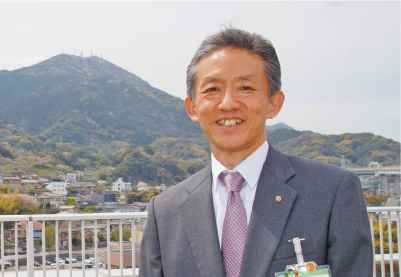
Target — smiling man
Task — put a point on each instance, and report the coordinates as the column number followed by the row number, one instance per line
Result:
column 236, row 216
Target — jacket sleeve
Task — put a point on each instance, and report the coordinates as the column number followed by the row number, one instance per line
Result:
column 150, row 257
column 350, row 251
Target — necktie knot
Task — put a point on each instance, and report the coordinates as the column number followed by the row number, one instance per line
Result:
column 233, row 181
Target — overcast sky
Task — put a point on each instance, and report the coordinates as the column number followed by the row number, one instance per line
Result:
column 340, row 60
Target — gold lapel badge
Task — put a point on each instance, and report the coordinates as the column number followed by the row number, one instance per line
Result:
column 278, row 198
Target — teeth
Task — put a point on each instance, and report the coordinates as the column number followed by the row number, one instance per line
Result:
column 229, row 122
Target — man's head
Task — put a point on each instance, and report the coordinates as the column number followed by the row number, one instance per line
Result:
column 236, row 38
column 232, row 97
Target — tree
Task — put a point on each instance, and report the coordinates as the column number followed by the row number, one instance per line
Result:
column 149, row 194
column 101, row 187
column 91, row 209
column 50, row 233
column 5, row 189
column 148, row 150
column 133, row 197
column 30, row 190
column 8, row 205
column 101, row 237
column 371, row 200
column 75, row 241
column 116, row 234
column 70, row 201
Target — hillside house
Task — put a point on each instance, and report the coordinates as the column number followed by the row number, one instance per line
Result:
column 12, row 180
column 73, row 178
column 120, row 185
column 55, row 200
column 21, row 230
column 142, row 186
column 58, row 188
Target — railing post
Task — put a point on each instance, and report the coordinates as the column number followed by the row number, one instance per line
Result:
column 2, row 248
column 29, row 247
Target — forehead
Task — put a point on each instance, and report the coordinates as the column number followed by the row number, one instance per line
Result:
column 230, row 61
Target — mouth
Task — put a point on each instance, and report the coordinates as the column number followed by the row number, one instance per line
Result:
column 229, row 122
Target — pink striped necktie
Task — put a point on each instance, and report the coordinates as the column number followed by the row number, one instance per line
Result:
column 234, row 226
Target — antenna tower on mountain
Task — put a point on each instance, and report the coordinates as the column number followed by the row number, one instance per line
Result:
column 82, row 53
column 62, row 49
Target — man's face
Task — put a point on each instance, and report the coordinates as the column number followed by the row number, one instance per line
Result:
column 231, row 100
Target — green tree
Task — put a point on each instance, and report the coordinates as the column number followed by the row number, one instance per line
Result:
column 91, row 209
column 149, row 194
column 75, row 241
column 194, row 166
column 133, row 197
column 30, row 190
column 101, row 237
column 115, row 236
column 50, row 233
column 101, row 187
column 70, row 201
column 148, row 150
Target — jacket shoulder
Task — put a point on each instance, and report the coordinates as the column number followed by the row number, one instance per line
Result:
column 179, row 192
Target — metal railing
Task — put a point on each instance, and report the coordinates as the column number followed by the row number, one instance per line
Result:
column 384, row 223
column 385, row 231
column 55, row 220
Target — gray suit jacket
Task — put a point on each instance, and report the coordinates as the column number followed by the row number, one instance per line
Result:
column 320, row 202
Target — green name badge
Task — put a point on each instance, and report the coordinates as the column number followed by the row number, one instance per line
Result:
column 320, row 271
column 302, row 268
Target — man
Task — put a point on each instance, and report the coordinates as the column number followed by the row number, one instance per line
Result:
column 235, row 217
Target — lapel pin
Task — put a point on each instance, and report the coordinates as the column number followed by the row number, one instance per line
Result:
column 278, row 198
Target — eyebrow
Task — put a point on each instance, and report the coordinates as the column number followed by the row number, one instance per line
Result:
column 247, row 77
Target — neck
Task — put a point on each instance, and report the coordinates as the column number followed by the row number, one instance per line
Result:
column 230, row 159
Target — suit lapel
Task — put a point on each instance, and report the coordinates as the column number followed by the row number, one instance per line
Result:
column 199, row 221
column 268, row 217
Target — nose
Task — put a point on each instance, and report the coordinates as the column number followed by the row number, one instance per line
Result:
column 229, row 100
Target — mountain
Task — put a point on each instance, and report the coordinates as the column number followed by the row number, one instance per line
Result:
column 90, row 101
column 278, row 126
column 358, row 149
column 98, row 109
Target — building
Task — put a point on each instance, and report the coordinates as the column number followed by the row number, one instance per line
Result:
column 55, row 200
column 103, row 197
column 127, row 255
column 120, row 185
column 58, row 188
column 73, row 178
column 142, row 186
column 22, row 230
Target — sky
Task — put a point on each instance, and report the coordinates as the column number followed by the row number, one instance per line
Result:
column 340, row 60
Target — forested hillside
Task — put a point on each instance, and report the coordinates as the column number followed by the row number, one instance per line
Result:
column 71, row 113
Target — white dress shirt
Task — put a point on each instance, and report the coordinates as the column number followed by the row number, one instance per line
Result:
column 250, row 169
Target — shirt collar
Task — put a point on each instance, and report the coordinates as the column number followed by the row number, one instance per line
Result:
column 250, row 168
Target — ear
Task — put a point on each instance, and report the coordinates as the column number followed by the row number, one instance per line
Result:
column 275, row 104
column 191, row 109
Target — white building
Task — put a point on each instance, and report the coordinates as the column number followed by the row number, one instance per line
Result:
column 120, row 185
column 72, row 177
column 58, row 188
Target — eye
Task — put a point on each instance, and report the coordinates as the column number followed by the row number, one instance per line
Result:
column 246, row 88
column 212, row 89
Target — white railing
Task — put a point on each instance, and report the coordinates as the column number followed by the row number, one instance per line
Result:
column 384, row 225
column 69, row 218
column 380, row 220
